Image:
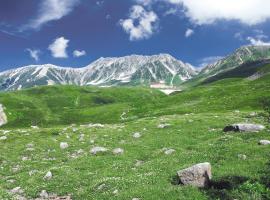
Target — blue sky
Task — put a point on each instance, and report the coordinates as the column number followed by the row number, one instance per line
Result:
column 77, row 32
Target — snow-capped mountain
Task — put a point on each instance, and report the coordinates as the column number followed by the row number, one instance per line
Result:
column 239, row 57
column 132, row 70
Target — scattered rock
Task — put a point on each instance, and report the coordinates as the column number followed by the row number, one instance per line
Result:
column 34, row 127
column 92, row 141
column 25, row 158
column 242, row 156
column 136, row 199
column 168, row 151
column 253, row 114
column 3, row 137
column 16, row 190
column 81, row 138
column 115, row 192
column 44, row 194
column 164, row 125
column 97, row 150
column 3, row 117
column 101, row 187
column 95, row 125
column 264, row 142
column 48, row 176
column 138, row 163
column 32, row 172
column 137, row 135
column 198, row 175
column 63, row 145
column 118, row 151
column 244, row 128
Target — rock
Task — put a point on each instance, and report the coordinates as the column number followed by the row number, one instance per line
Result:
column 48, row 176
column 25, row 158
column 138, row 163
column 32, row 172
column 242, row 156
column 118, row 151
column 164, row 125
column 97, row 150
column 81, row 138
column 115, row 192
column 253, row 114
column 16, row 190
column 44, row 194
column 34, row 127
column 63, row 145
column 244, row 128
column 168, row 151
column 3, row 137
column 264, row 142
column 3, row 117
column 137, row 135
column 136, row 199
column 198, row 175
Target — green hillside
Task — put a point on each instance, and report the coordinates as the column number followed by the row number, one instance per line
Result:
column 196, row 116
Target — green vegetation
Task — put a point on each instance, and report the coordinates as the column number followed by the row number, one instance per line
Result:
column 196, row 117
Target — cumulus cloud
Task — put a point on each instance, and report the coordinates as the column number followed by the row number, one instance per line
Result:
column 141, row 24
column 34, row 53
column 257, row 42
column 51, row 10
column 189, row 32
column 58, row 48
column 250, row 12
column 78, row 53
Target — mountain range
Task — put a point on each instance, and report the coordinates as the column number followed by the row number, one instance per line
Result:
column 129, row 70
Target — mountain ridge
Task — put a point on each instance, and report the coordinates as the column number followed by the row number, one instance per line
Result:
column 132, row 69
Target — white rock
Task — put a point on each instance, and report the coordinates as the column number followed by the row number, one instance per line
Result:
column 242, row 156
column 168, row 151
column 115, row 192
column 63, row 145
column 34, row 127
column 137, row 135
column 242, row 127
column 16, row 190
column 81, row 138
column 164, row 125
column 3, row 137
column 264, row 142
column 97, row 150
column 198, row 175
column 118, row 151
column 48, row 176
column 44, row 194
column 3, row 117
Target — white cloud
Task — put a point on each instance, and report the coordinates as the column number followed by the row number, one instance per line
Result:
column 51, row 10
column 78, row 53
column 189, row 32
column 250, row 12
column 209, row 60
column 58, row 47
column 141, row 24
column 257, row 42
column 34, row 53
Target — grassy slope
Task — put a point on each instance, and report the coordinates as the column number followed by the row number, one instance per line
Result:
column 196, row 137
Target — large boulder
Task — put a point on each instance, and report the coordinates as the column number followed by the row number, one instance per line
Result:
column 244, row 128
column 3, row 117
column 198, row 175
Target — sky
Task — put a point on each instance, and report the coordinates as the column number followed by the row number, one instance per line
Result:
column 74, row 33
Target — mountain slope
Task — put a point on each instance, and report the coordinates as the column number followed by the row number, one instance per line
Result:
column 242, row 56
column 131, row 70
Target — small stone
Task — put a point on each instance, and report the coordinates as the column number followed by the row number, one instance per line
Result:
column 118, row 151
column 24, row 158
column 115, row 192
column 34, row 127
column 138, row 163
column 163, row 126
column 168, row 151
column 97, row 150
column 32, row 172
column 16, row 190
column 63, row 145
column 264, row 142
column 137, row 135
column 48, row 176
column 242, row 156
column 81, row 138
column 102, row 186
column 92, row 141
column 3, row 137
column 136, row 199
column 44, row 194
